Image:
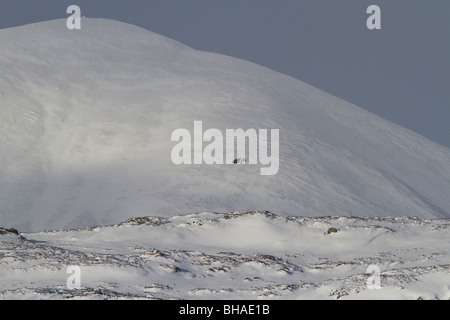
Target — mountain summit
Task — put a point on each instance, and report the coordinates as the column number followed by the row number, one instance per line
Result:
column 86, row 118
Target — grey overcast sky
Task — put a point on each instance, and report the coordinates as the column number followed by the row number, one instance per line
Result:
column 401, row 72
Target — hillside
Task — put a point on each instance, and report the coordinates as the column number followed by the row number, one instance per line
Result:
column 238, row 255
column 86, row 119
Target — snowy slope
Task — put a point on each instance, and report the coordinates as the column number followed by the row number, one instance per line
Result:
column 86, row 119
column 253, row 255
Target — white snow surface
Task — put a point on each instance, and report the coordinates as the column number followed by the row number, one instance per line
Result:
column 239, row 255
column 86, row 118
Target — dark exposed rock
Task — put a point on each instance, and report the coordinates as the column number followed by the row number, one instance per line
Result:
column 4, row 231
column 152, row 221
column 332, row 230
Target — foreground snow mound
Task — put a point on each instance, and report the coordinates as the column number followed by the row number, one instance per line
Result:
column 86, row 118
column 252, row 255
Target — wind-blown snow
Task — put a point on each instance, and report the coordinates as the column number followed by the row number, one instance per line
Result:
column 253, row 255
column 86, row 118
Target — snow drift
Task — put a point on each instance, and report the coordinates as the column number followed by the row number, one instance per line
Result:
column 86, row 118
column 238, row 255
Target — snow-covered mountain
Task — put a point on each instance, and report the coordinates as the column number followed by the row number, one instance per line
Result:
column 86, row 118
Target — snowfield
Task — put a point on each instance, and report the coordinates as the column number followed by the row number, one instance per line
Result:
column 253, row 255
column 86, row 118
